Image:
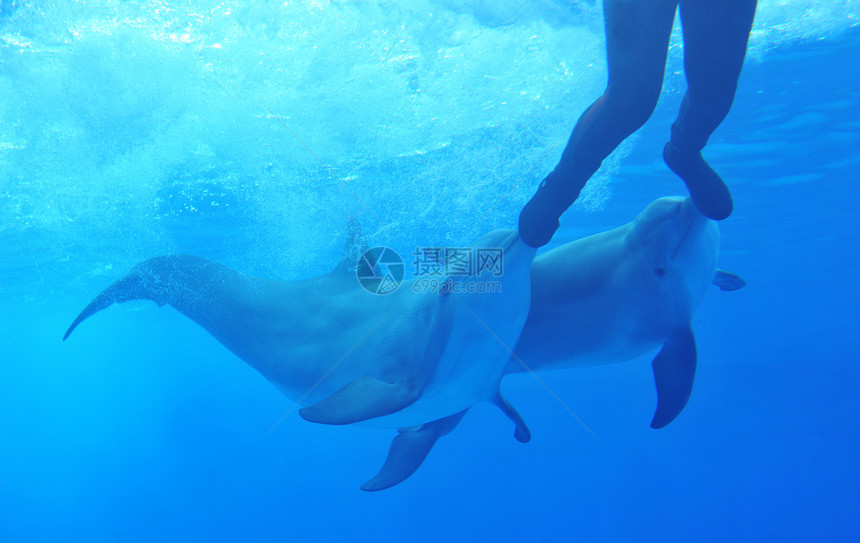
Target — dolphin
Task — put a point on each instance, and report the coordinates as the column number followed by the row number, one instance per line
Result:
column 612, row 297
column 601, row 299
column 416, row 358
column 624, row 293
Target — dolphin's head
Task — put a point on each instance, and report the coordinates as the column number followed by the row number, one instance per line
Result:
column 677, row 244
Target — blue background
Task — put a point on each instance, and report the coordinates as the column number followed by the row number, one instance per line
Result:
column 232, row 130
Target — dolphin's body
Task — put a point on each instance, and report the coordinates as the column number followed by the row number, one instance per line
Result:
column 418, row 362
column 408, row 359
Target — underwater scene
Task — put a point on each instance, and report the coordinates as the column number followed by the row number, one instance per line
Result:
column 264, row 278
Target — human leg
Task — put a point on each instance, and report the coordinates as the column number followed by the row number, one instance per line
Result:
column 715, row 44
column 637, row 37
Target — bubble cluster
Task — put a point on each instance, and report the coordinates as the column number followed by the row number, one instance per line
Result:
column 250, row 132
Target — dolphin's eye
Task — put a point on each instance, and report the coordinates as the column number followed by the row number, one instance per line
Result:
column 660, row 273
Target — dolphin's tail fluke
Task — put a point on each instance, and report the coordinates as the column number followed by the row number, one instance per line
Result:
column 155, row 279
column 103, row 300
column 130, row 287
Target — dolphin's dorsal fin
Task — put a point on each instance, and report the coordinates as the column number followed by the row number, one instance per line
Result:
column 363, row 399
column 521, row 432
column 353, row 248
column 408, row 451
column 728, row 281
column 674, row 372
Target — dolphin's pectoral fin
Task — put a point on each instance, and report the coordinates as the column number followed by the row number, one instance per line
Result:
column 674, row 372
column 728, row 281
column 408, row 451
column 363, row 399
column 521, row 433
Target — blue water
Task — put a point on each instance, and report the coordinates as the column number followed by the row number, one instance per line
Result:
column 249, row 133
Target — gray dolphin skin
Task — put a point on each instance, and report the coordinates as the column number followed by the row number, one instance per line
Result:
column 418, row 361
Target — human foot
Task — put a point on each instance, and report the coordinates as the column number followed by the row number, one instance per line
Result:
column 707, row 189
column 539, row 218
